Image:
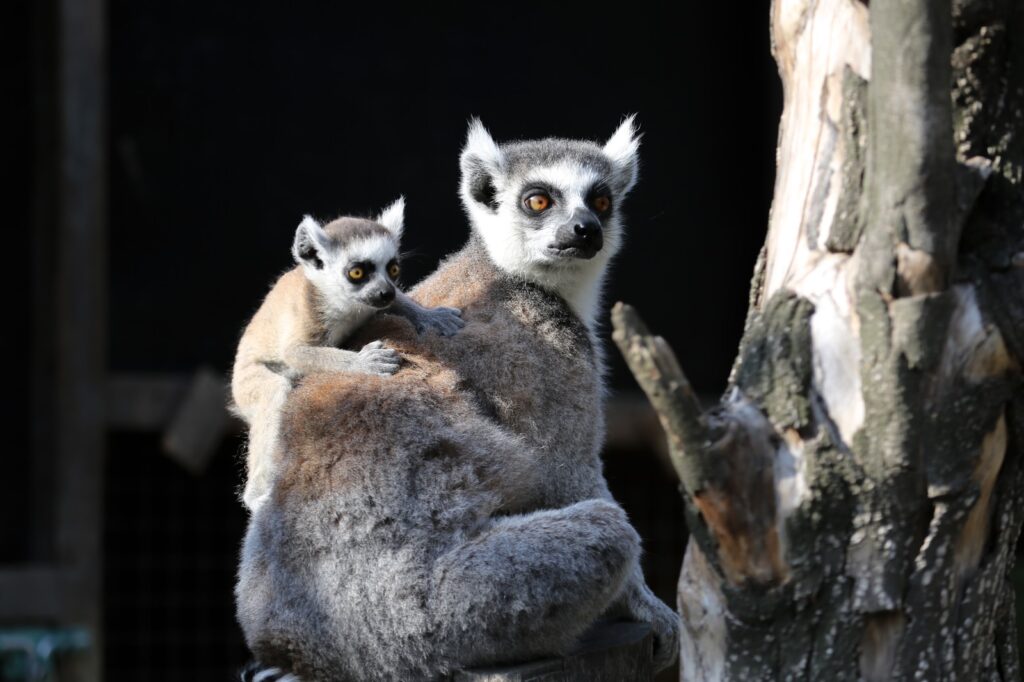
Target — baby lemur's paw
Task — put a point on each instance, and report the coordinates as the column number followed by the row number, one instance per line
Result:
column 374, row 358
column 444, row 321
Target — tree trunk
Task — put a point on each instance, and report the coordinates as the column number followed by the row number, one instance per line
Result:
column 855, row 499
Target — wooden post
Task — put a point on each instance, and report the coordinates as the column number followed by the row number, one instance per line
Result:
column 62, row 584
column 610, row 652
column 81, row 319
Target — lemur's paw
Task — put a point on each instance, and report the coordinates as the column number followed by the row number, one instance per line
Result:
column 444, row 321
column 374, row 358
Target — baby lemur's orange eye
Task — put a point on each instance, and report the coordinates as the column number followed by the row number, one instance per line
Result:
column 394, row 270
column 356, row 274
column 602, row 203
column 538, row 202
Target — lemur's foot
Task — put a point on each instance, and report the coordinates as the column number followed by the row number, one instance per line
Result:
column 664, row 623
column 374, row 358
column 444, row 321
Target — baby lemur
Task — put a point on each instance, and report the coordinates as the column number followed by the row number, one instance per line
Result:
column 346, row 273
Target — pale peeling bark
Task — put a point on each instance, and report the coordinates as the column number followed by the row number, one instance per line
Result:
column 856, row 498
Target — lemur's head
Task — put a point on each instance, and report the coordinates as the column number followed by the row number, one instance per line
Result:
column 352, row 261
column 550, row 210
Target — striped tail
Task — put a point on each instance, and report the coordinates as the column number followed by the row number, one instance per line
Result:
column 257, row 672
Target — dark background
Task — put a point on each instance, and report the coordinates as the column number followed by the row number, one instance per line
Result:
column 228, row 121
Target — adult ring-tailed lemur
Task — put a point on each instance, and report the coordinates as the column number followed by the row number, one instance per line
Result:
column 456, row 514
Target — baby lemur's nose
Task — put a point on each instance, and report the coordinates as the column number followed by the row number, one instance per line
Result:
column 587, row 229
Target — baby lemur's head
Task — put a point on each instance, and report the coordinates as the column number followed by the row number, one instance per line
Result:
column 550, row 210
column 352, row 261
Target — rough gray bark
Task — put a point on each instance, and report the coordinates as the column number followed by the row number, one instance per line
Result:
column 855, row 499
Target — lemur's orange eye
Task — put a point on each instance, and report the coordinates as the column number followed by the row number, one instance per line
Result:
column 538, row 202
column 394, row 270
column 602, row 203
column 356, row 274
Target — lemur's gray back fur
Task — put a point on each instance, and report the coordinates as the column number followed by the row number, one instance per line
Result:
column 386, row 550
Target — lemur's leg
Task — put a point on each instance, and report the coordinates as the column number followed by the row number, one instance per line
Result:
column 373, row 358
column 264, row 420
column 509, row 467
column 530, row 585
column 445, row 321
column 638, row 603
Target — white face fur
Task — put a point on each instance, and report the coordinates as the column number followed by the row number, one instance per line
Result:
column 352, row 262
column 549, row 210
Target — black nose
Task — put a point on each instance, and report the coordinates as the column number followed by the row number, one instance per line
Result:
column 384, row 297
column 587, row 229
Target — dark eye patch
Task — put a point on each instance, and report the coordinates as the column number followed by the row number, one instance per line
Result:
column 366, row 266
column 537, row 188
column 600, row 189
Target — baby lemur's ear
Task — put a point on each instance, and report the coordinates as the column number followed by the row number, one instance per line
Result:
column 310, row 245
column 481, row 163
column 622, row 150
column 393, row 218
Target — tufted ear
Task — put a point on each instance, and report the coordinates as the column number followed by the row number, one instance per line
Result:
column 622, row 150
column 393, row 217
column 481, row 162
column 310, row 245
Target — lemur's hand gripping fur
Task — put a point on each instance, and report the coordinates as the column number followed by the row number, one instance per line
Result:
column 373, row 358
column 444, row 321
